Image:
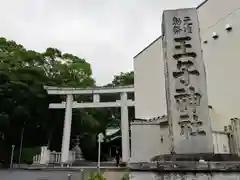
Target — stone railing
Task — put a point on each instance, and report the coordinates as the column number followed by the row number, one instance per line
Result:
column 48, row 157
column 36, row 159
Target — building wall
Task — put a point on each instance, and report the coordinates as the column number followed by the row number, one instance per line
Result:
column 221, row 10
column 235, row 139
column 221, row 143
column 149, row 140
column 145, row 141
column 165, row 144
column 218, row 121
column 221, row 57
column 149, row 82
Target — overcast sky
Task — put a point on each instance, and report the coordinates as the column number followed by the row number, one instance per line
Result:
column 107, row 33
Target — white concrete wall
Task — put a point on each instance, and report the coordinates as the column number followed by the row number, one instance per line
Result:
column 221, row 143
column 146, row 138
column 221, row 59
column 214, row 11
column 165, row 145
column 236, row 136
column 218, row 121
column 146, row 141
column 149, row 82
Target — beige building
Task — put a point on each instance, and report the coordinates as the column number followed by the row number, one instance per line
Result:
column 221, row 57
column 220, row 27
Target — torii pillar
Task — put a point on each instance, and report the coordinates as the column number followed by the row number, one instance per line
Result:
column 68, row 122
column 125, row 128
column 67, row 129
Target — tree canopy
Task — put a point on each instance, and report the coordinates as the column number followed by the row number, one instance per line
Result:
column 24, row 102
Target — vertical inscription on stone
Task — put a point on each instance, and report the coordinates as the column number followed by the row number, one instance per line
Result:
column 185, row 76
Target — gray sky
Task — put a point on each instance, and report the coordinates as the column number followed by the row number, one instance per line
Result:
column 107, row 33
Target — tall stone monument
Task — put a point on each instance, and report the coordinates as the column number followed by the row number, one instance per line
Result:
column 192, row 144
column 185, row 78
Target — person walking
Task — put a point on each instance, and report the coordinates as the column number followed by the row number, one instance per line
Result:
column 117, row 158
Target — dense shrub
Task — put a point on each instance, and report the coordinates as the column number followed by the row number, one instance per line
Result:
column 96, row 176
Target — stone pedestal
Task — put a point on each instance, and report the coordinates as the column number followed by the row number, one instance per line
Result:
column 185, row 176
column 78, row 153
column 185, row 170
column 196, row 157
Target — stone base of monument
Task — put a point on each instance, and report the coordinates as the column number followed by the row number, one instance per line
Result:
column 199, row 166
column 196, row 157
column 184, row 175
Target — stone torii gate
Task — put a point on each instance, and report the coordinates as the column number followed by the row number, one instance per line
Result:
column 124, row 103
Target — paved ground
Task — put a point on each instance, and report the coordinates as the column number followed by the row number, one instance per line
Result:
column 39, row 175
column 111, row 175
column 55, row 175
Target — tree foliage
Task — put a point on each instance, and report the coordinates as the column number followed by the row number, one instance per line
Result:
column 24, row 102
column 124, row 79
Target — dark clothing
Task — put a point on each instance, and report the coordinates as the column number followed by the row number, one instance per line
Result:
column 117, row 159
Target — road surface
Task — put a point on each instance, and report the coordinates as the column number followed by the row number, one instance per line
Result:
column 53, row 175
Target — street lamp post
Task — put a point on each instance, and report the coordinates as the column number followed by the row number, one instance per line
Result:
column 12, row 154
column 21, row 146
column 100, row 140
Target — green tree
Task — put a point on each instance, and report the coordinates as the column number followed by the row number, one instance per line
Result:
column 124, row 79
column 24, row 102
